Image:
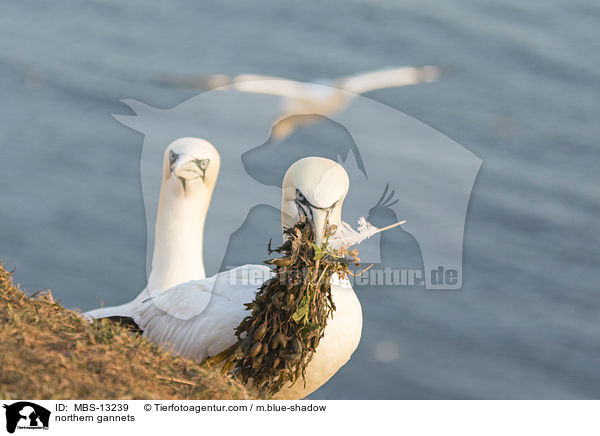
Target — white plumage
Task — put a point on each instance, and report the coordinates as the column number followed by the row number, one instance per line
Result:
column 197, row 319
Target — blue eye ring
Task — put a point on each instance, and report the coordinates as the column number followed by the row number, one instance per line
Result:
column 300, row 197
column 172, row 157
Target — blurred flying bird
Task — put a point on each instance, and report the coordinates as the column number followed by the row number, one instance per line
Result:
column 310, row 100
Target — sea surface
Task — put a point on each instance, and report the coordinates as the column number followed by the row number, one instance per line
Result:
column 520, row 89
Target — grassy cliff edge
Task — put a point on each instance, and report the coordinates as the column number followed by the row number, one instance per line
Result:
column 49, row 352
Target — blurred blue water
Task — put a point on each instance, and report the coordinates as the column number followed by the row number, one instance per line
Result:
column 521, row 92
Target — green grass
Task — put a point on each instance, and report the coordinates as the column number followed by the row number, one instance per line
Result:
column 49, row 352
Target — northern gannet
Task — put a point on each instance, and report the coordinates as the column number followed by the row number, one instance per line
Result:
column 197, row 319
column 310, row 99
column 190, row 172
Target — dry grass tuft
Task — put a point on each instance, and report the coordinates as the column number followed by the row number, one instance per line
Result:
column 49, row 352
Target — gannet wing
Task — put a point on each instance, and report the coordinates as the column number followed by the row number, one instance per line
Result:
column 252, row 83
column 197, row 319
column 388, row 78
column 196, row 82
column 272, row 86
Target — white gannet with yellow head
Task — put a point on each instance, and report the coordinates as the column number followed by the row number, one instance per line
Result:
column 190, row 172
column 315, row 188
column 197, row 319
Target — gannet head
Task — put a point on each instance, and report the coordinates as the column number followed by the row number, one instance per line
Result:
column 314, row 187
column 192, row 161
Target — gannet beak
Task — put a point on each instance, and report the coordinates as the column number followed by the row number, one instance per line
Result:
column 186, row 167
column 319, row 222
column 318, row 217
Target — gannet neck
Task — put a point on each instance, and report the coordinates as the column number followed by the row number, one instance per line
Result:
column 182, row 208
column 179, row 239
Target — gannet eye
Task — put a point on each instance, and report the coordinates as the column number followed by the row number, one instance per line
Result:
column 300, row 197
column 172, row 157
column 204, row 164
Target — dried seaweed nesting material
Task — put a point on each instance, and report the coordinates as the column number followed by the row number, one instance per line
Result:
column 289, row 313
